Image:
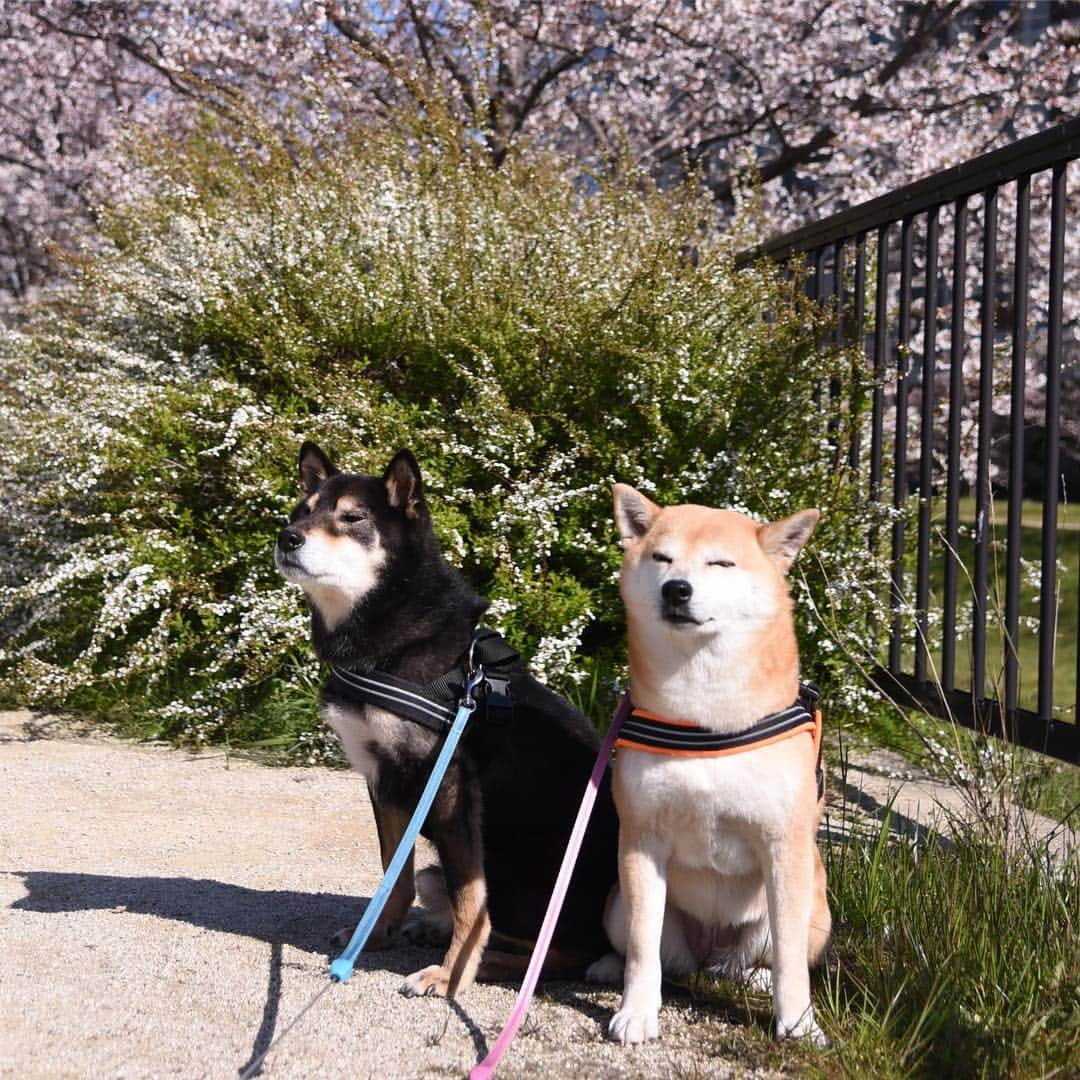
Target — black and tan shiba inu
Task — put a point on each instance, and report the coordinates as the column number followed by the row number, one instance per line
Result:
column 383, row 600
column 717, row 786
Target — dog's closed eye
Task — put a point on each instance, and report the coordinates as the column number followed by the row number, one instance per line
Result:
column 660, row 557
column 721, row 562
column 353, row 517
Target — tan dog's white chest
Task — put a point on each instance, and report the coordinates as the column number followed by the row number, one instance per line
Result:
column 716, row 813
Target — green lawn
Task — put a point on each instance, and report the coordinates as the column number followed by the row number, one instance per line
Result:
column 1068, row 557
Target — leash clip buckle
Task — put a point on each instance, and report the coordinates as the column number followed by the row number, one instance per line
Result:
column 474, row 678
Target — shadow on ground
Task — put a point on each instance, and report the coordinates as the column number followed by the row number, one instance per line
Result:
column 304, row 921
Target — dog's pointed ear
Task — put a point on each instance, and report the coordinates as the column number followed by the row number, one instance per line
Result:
column 634, row 514
column 403, row 487
column 315, row 467
column 783, row 540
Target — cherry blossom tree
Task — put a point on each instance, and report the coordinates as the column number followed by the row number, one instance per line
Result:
column 77, row 75
column 827, row 102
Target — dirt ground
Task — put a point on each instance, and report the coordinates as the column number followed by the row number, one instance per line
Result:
column 165, row 914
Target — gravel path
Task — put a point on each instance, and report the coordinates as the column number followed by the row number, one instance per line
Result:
column 165, row 914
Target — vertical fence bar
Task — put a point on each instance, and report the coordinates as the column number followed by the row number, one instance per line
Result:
column 877, row 399
column 982, row 466
column 903, row 365
column 838, row 290
column 835, row 387
column 818, row 285
column 860, row 329
column 1018, row 397
column 952, row 481
column 1048, row 586
column 877, row 410
column 926, row 448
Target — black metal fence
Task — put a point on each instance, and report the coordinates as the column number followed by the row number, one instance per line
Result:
column 974, row 365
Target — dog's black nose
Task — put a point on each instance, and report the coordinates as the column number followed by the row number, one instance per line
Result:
column 676, row 591
column 290, row 539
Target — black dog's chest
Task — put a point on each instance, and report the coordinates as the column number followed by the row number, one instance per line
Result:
column 375, row 740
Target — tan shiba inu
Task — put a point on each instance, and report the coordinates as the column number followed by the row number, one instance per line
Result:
column 718, row 864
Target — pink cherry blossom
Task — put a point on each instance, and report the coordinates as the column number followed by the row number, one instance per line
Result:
column 828, row 103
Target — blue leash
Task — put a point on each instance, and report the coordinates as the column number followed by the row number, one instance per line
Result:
column 342, row 968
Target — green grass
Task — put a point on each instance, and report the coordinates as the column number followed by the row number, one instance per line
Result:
column 954, row 958
column 1027, row 644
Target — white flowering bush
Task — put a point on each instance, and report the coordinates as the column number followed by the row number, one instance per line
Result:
column 531, row 337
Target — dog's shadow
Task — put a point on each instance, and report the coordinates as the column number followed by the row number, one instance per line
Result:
column 304, row 921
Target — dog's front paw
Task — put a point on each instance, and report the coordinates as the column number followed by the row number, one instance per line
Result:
column 805, row 1027
column 634, row 1026
column 608, row 969
column 433, row 980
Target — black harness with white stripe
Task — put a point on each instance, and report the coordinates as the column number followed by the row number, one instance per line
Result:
column 433, row 705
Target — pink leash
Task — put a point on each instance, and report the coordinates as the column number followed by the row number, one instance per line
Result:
column 532, row 975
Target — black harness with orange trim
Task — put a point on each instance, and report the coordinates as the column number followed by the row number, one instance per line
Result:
column 678, row 738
